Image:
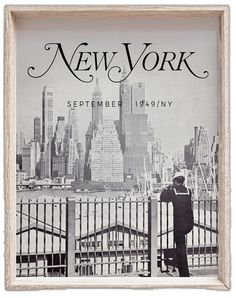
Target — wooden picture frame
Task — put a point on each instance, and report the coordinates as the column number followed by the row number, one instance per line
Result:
column 222, row 282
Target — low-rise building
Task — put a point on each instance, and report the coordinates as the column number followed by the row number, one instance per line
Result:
column 20, row 176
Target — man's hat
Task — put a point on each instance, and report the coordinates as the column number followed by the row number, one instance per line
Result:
column 178, row 174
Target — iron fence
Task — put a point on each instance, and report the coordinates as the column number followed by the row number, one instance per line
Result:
column 41, row 237
column 88, row 236
column 111, row 236
column 107, row 236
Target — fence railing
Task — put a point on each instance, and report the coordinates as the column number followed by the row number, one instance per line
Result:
column 88, row 236
column 111, row 236
column 107, row 236
column 41, row 237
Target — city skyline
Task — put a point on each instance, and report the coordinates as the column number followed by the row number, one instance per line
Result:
column 114, row 149
column 72, row 113
column 37, row 120
column 195, row 99
column 29, row 133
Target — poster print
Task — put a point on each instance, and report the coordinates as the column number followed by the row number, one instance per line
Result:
column 117, row 147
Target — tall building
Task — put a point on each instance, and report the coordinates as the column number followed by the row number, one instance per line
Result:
column 135, row 134
column 138, row 96
column 47, row 115
column 59, row 165
column 57, row 149
column 59, row 135
column 42, row 165
column 75, row 160
column 73, row 124
column 45, row 163
column 136, row 157
column 47, row 131
column 20, row 142
column 60, row 128
column 79, row 163
column 88, row 141
column 71, row 157
column 97, row 109
column 150, row 139
column 37, row 129
column 66, row 138
column 203, row 147
column 97, row 119
column 105, row 154
column 30, row 158
column 125, row 98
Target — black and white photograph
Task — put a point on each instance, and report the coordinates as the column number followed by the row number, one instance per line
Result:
column 117, row 147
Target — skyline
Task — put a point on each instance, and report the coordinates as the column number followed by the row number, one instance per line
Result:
column 81, row 138
column 131, row 140
column 194, row 99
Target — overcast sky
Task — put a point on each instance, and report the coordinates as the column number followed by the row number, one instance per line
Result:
column 194, row 101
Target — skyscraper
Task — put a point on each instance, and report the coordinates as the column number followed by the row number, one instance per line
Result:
column 66, row 138
column 106, row 155
column 135, row 134
column 47, row 132
column 47, row 115
column 79, row 163
column 88, row 141
column 97, row 119
column 150, row 139
column 138, row 96
column 59, row 135
column 60, row 128
column 70, row 140
column 58, row 155
column 30, row 158
column 125, row 98
column 136, row 157
column 59, row 165
column 97, row 109
column 42, row 165
column 72, row 157
column 37, row 129
column 73, row 124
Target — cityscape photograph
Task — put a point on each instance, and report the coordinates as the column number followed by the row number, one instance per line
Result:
column 105, row 171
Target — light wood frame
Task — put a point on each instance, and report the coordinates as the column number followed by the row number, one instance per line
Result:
column 13, row 12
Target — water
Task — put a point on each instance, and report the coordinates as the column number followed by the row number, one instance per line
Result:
column 65, row 193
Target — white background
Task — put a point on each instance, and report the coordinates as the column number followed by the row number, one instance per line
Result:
column 131, row 293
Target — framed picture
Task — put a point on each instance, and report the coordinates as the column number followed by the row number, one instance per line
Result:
column 117, row 147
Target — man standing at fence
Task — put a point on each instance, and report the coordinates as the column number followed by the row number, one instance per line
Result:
column 180, row 196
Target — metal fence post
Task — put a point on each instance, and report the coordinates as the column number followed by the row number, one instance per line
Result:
column 70, row 237
column 152, row 236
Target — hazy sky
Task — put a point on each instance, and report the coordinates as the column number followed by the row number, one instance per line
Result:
column 194, row 101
